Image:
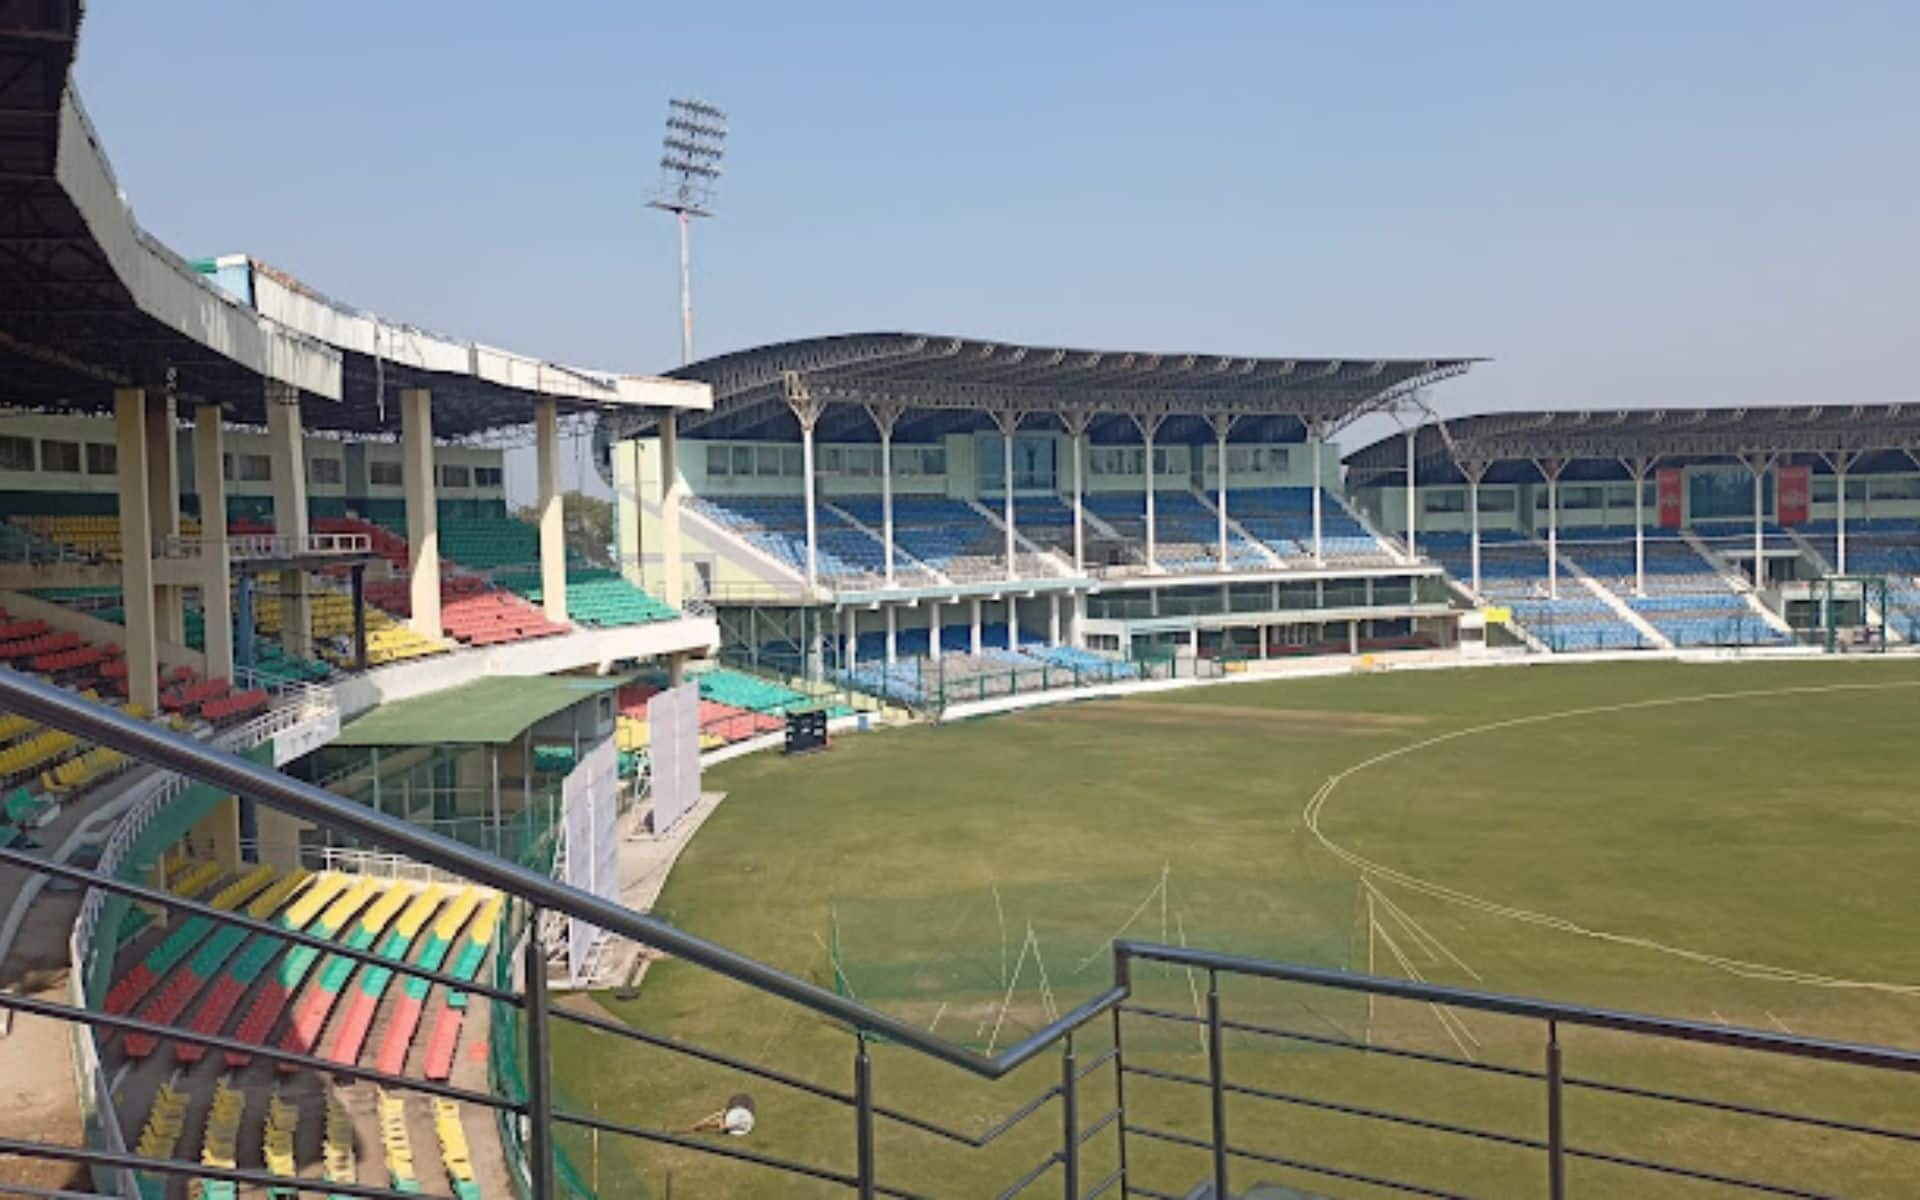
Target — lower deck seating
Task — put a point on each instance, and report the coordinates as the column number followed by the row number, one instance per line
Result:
column 596, row 598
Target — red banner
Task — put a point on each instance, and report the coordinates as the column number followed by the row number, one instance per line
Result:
column 1667, row 487
column 1792, row 489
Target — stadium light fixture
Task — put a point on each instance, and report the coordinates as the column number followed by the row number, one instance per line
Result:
column 691, row 151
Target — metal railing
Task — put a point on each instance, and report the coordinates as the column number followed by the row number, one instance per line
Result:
column 1211, row 1140
column 251, row 546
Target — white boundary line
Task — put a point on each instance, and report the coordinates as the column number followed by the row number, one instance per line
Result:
column 1316, row 805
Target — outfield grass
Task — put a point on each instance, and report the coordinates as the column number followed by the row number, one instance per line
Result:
column 1772, row 828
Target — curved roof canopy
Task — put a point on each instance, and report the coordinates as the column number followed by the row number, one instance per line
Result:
column 1601, row 444
column 89, row 301
column 943, row 383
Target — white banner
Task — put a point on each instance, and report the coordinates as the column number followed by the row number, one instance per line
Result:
column 673, row 738
column 588, row 798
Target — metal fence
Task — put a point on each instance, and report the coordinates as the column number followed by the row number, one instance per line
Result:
column 1110, row 1095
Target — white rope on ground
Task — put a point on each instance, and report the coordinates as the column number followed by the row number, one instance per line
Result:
column 1007, row 1000
column 1101, row 951
column 1046, row 989
column 1193, row 989
column 1001, row 912
column 1742, row 968
column 1439, row 1014
column 1420, row 933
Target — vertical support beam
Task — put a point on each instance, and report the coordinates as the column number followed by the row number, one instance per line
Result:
column 1053, row 618
column 244, row 656
column 285, row 449
column 359, row 586
column 864, row 1175
column 1076, row 421
column 1637, row 469
column 1008, row 423
column 672, row 572
column 423, row 518
column 216, row 596
column 1222, row 424
column 885, row 417
column 1069, row 1121
column 540, row 1168
column 933, row 629
column 1758, row 465
column 806, row 410
column 1550, row 469
column 163, row 508
column 1149, row 424
column 1413, row 508
column 553, row 529
column 1475, row 472
column 1840, row 462
column 1556, row 1118
column 976, row 626
column 1013, row 622
column 136, row 547
column 1217, row 1086
column 893, row 633
column 849, row 640
column 1316, row 439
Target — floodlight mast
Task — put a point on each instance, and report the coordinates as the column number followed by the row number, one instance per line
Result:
column 690, row 155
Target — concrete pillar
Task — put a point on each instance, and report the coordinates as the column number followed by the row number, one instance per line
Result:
column 886, row 498
column 1313, row 447
column 1353, row 637
column 893, row 634
column 670, row 493
column 1013, row 623
column 1077, row 628
column 1553, row 535
column 1006, row 446
column 976, row 625
column 1221, row 483
column 163, row 511
column 933, row 629
column 216, row 595
column 1639, row 536
column 553, row 528
column 1053, row 618
column 806, row 487
column 1413, row 511
column 850, row 643
column 1473, row 520
column 1153, row 549
column 136, row 547
column 676, row 669
column 423, row 518
column 1079, row 503
column 1840, row 517
column 289, row 465
column 1266, row 632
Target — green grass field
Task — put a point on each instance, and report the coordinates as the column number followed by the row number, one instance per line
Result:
column 1746, row 859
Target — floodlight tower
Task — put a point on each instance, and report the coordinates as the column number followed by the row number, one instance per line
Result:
column 690, row 155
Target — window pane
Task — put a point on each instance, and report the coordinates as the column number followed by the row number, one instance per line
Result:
column 717, row 459
column 488, row 477
column 255, row 468
column 59, row 456
column 455, row 476
column 792, row 461
column 768, row 460
column 16, row 454
column 323, row 470
column 742, row 461
column 103, row 458
column 385, row 474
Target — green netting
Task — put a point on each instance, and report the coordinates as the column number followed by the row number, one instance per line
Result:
column 989, row 965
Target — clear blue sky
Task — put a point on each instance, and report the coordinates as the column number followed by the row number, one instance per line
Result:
column 1625, row 204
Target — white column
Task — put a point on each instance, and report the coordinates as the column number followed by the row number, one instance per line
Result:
column 1013, row 623
column 1412, row 510
column 673, row 572
column 1153, row 548
column 1053, row 618
column 1079, row 503
column 1266, row 631
column 289, row 465
column 1473, row 523
column 1759, row 524
column 1006, row 485
column 423, row 518
column 553, row 529
column 893, row 634
column 216, row 595
column 850, row 642
column 1221, row 468
column 1640, row 534
column 1353, row 637
column 816, row 668
column 976, row 625
column 163, row 511
column 1078, row 621
column 1314, row 444
column 886, row 497
column 933, row 629
column 807, row 486
column 1840, row 515
column 136, row 547
column 1553, row 535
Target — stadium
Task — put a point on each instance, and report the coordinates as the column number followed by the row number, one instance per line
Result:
column 971, row 768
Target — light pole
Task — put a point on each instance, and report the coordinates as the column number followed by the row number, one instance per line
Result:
column 690, row 154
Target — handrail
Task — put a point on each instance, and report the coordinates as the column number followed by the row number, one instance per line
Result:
column 64, row 710
column 1672, row 1028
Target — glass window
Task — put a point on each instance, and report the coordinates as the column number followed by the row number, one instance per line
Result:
column 1901, row 487
column 767, row 459
column 103, row 458
column 1443, row 500
column 718, row 458
column 863, row 460
column 488, row 477
column 1496, row 500
column 226, row 466
column 16, row 454
column 742, row 461
column 1581, row 497
column 792, row 461
column 906, row 460
column 255, row 468
column 384, row 474
column 830, row 460
column 59, row 456
column 455, row 476
column 323, row 470
column 934, row 460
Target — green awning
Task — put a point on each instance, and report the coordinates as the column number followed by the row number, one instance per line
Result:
column 486, row 712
